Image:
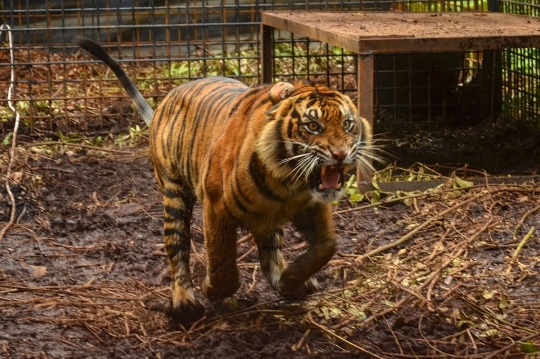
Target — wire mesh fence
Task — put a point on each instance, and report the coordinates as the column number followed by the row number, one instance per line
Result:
column 60, row 89
column 521, row 71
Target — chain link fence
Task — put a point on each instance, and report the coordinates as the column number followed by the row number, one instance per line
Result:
column 60, row 89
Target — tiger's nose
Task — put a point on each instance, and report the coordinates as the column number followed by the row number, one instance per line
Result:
column 339, row 155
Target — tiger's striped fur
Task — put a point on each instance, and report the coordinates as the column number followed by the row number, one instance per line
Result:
column 253, row 163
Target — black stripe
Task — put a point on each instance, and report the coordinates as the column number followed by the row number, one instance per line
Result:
column 290, row 126
column 237, row 200
column 258, row 178
column 177, row 213
column 240, row 100
column 229, row 212
column 280, row 141
column 174, row 247
column 174, row 114
column 239, row 188
column 295, row 150
column 208, row 103
column 175, row 232
column 208, row 165
column 195, row 100
column 238, row 191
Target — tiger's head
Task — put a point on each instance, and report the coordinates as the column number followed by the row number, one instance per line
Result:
column 314, row 136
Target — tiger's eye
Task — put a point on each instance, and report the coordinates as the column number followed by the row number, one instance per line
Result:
column 348, row 125
column 313, row 127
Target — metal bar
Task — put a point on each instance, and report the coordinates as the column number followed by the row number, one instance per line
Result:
column 266, row 54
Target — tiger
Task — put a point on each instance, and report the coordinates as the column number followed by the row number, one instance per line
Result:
column 256, row 158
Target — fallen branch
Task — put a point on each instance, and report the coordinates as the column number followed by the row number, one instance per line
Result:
column 522, row 220
column 62, row 143
column 519, row 248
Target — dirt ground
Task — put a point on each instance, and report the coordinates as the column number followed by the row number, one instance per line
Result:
column 451, row 272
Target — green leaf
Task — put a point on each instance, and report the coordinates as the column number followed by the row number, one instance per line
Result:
column 335, row 312
column 529, row 347
column 503, row 302
column 376, row 196
column 325, row 312
column 356, row 198
column 7, row 140
column 233, row 302
column 461, row 183
column 358, row 313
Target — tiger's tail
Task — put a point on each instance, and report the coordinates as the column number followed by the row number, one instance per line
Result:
column 138, row 100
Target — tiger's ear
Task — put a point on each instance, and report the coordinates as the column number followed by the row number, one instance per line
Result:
column 280, row 91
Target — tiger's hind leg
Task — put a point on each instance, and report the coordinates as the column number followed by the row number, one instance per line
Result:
column 270, row 248
column 178, row 204
column 316, row 225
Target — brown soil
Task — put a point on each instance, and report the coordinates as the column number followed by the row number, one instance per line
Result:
column 83, row 274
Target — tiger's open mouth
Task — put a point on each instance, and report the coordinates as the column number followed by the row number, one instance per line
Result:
column 327, row 178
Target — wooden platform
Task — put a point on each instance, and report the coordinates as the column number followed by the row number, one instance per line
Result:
column 411, row 32
column 368, row 33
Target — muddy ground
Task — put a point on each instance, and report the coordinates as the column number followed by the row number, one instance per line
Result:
column 83, row 272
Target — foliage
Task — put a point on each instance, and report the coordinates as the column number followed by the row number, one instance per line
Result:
column 320, row 59
column 521, row 83
column 434, row 6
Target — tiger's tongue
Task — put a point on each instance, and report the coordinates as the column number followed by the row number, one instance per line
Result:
column 330, row 177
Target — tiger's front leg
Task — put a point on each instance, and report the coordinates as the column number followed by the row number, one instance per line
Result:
column 222, row 276
column 270, row 247
column 183, row 307
column 316, row 225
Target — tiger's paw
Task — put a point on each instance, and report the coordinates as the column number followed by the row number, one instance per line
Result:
column 289, row 291
column 224, row 290
column 186, row 313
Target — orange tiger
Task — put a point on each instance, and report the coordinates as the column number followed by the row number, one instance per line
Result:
column 256, row 158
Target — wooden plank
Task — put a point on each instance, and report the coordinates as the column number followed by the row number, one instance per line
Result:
column 411, row 186
column 365, row 86
column 365, row 92
column 311, row 31
column 391, row 32
column 394, row 24
column 402, row 44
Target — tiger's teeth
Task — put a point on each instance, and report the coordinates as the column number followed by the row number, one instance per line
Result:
column 323, row 170
column 338, row 186
column 321, row 187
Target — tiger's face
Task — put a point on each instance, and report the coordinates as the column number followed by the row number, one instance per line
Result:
column 313, row 138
